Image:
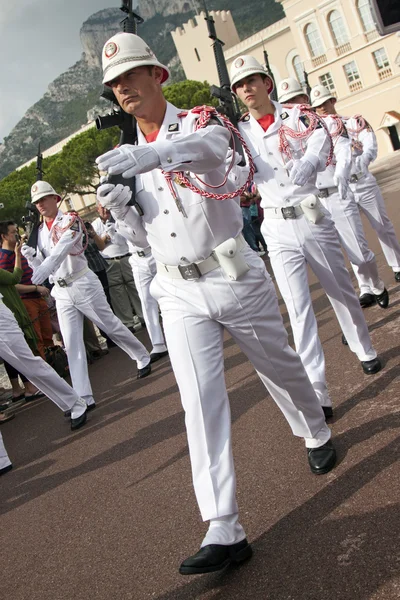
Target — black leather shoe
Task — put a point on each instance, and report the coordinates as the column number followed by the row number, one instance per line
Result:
column 322, row 459
column 370, row 367
column 79, row 422
column 5, row 470
column 215, row 557
column 89, row 408
column 328, row 412
column 144, row 372
column 367, row 300
column 157, row 355
column 383, row 299
column 344, row 341
column 397, row 276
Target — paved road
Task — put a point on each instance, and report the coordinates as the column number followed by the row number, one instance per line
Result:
column 108, row 513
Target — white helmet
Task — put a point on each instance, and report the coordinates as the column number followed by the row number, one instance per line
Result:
column 320, row 94
column 246, row 65
column 288, row 89
column 40, row 189
column 125, row 51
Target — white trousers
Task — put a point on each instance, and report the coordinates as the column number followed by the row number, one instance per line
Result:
column 4, row 458
column 195, row 314
column 144, row 270
column 292, row 244
column 347, row 219
column 86, row 297
column 15, row 350
column 370, row 201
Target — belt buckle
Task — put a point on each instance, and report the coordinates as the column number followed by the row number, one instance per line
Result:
column 288, row 212
column 189, row 272
column 141, row 253
column 61, row 282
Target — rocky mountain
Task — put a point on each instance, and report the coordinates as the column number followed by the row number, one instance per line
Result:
column 74, row 97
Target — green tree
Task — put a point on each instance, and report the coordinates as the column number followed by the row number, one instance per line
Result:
column 189, row 93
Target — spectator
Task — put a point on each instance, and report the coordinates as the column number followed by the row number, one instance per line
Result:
column 256, row 217
column 247, row 230
column 13, row 301
column 33, row 296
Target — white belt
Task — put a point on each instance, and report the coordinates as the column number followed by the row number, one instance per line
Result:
column 328, row 191
column 193, row 271
column 285, row 212
column 64, row 281
column 143, row 253
column 356, row 177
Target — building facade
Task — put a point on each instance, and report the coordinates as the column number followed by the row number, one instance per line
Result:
column 335, row 42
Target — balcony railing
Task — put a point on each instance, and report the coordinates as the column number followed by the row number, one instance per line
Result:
column 355, row 86
column 318, row 60
column 343, row 49
column 385, row 73
column 371, row 35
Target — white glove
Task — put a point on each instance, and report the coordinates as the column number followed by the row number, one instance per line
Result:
column 113, row 196
column 342, row 184
column 43, row 271
column 362, row 162
column 300, row 171
column 129, row 160
column 110, row 229
column 28, row 252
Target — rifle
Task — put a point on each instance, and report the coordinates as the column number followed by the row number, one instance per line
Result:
column 273, row 94
column 118, row 117
column 31, row 221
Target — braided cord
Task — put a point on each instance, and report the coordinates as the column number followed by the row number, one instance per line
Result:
column 286, row 132
column 58, row 232
column 205, row 113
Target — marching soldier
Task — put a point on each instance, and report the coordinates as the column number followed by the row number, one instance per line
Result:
column 338, row 199
column 207, row 280
column 60, row 258
column 289, row 148
column 364, row 186
column 144, row 270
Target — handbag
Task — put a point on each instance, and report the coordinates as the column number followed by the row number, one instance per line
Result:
column 56, row 357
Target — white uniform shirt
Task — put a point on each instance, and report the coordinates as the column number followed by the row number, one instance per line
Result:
column 272, row 177
column 343, row 159
column 118, row 245
column 61, row 263
column 366, row 137
column 174, row 238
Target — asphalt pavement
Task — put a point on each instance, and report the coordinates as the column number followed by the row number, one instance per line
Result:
column 108, row 512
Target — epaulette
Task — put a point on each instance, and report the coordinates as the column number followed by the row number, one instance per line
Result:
column 182, row 114
column 306, row 122
column 244, row 118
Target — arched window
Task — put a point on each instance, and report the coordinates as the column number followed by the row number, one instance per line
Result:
column 298, row 68
column 337, row 28
column 313, row 40
column 366, row 17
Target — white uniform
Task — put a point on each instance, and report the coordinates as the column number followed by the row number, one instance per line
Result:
column 4, row 458
column 196, row 312
column 124, row 296
column 78, row 292
column 346, row 215
column 295, row 242
column 144, row 270
column 369, row 197
column 15, row 350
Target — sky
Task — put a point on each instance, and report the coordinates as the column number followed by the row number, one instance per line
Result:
column 40, row 40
